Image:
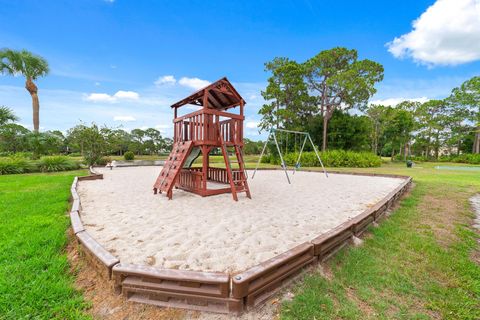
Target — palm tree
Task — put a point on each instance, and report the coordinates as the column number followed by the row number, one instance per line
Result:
column 6, row 115
column 30, row 66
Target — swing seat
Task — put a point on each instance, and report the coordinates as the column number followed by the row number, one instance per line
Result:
column 298, row 165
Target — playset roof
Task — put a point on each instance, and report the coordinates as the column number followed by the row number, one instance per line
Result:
column 221, row 95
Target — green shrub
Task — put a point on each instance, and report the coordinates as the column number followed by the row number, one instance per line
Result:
column 129, row 156
column 103, row 161
column 91, row 158
column 470, row 158
column 75, row 154
column 331, row 158
column 24, row 155
column 15, row 165
column 57, row 163
column 265, row 158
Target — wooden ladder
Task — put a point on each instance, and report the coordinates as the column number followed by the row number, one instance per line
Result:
column 172, row 167
column 236, row 177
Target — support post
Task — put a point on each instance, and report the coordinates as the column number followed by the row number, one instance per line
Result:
column 205, row 163
column 281, row 157
column 318, row 156
column 263, row 151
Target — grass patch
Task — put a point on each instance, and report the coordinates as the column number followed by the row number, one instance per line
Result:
column 416, row 265
column 407, row 269
column 35, row 282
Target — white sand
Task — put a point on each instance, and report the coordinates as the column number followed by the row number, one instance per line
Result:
column 216, row 233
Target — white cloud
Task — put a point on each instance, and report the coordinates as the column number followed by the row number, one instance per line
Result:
column 194, row 83
column 119, row 95
column 447, row 33
column 395, row 101
column 168, row 79
column 124, row 118
column 126, row 95
column 252, row 124
column 100, row 97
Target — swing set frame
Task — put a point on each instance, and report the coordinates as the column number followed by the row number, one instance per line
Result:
column 273, row 133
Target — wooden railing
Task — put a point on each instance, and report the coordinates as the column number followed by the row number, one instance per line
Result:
column 190, row 179
column 232, row 130
column 203, row 126
column 220, row 175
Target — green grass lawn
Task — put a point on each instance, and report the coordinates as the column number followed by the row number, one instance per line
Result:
column 418, row 264
column 35, row 282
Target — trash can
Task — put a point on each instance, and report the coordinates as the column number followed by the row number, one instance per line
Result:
column 409, row 163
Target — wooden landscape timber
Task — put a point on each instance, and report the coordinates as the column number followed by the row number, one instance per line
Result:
column 222, row 292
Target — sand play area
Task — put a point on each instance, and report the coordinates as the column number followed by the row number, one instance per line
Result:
column 216, row 233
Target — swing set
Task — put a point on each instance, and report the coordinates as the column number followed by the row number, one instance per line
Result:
column 273, row 134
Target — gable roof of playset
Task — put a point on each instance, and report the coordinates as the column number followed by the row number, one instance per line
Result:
column 221, row 96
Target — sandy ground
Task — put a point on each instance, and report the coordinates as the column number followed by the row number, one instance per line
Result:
column 216, row 233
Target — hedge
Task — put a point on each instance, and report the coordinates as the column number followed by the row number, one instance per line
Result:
column 332, row 158
column 17, row 164
column 469, row 158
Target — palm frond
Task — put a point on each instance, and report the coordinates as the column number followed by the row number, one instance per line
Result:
column 6, row 115
column 24, row 63
column 35, row 66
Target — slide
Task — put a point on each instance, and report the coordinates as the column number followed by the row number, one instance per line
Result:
column 194, row 154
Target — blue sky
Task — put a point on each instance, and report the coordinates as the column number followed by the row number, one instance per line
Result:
column 124, row 62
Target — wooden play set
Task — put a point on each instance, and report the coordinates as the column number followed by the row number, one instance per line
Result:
column 199, row 133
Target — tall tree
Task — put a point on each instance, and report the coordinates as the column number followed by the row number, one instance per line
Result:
column 137, row 145
column 376, row 114
column 13, row 138
column 90, row 140
column 288, row 102
column 399, row 127
column 431, row 122
column 468, row 97
column 340, row 80
column 30, row 66
column 7, row 115
column 154, row 142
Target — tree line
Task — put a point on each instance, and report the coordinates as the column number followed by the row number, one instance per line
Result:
column 318, row 96
column 90, row 141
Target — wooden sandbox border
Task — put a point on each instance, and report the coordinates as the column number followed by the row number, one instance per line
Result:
column 216, row 291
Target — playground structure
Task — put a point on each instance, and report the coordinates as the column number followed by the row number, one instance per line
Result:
column 272, row 133
column 198, row 133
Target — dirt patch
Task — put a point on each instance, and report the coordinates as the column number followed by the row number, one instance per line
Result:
column 362, row 305
column 441, row 215
column 475, row 202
